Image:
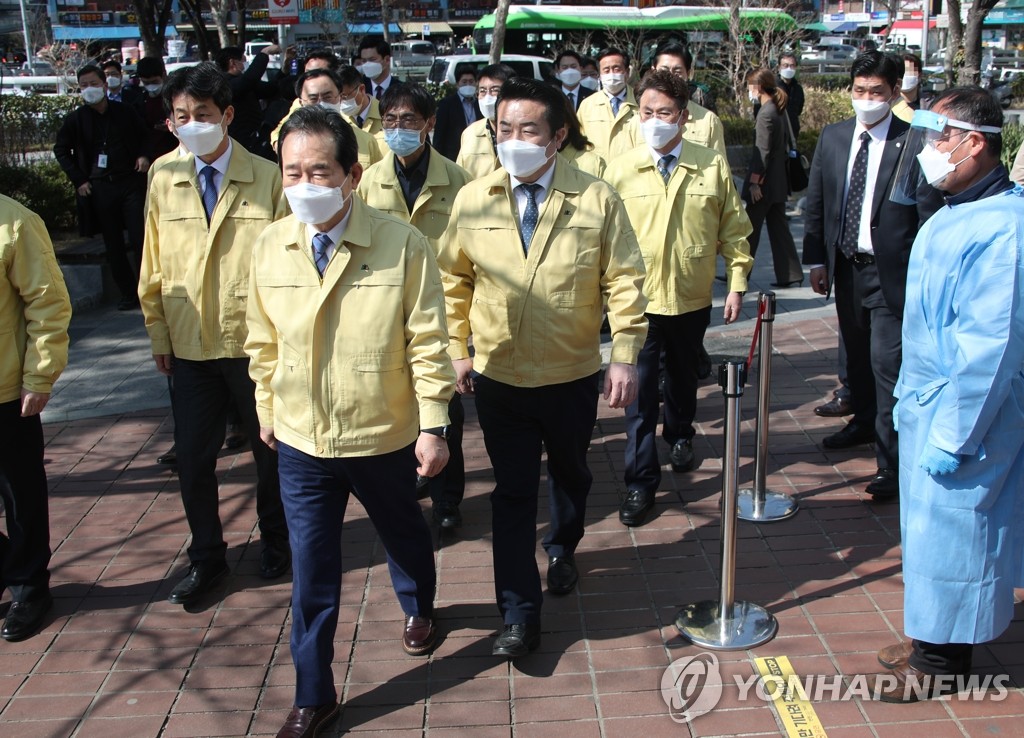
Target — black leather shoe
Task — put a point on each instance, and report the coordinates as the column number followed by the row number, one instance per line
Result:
column 682, row 456
column 235, row 439
column 447, row 515
column 850, row 436
column 24, row 619
column 837, row 407
column 635, row 507
column 169, row 458
column 274, row 562
column 517, row 640
column 885, row 485
column 201, row 578
column 786, row 285
column 308, row 722
column 562, row 574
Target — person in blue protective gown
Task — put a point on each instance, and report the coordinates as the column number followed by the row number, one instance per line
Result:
column 960, row 405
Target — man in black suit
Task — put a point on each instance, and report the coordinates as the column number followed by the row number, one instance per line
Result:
column 247, row 90
column 569, row 71
column 860, row 240
column 456, row 112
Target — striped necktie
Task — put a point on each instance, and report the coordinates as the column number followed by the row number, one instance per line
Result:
column 321, row 243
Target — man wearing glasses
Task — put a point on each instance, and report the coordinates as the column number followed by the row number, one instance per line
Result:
column 478, row 152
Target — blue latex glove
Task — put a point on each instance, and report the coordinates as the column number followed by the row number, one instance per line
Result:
column 935, row 461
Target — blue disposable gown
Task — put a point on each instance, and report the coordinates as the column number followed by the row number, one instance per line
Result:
column 961, row 389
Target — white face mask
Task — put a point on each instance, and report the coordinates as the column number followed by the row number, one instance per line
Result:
column 488, row 106
column 468, row 91
column 336, row 107
column 349, row 107
column 613, row 83
column 936, row 165
column 313, row 204
column 93, row 95
column 591, row 83
column 658, row 133
column 113, row 82
column 787, row 73
column 522, row 158
column 372, row 69
column 154, row 90
column 870, row 112
column 753, row 95
column 570, row 77
column 200, row 138
column 910, row 81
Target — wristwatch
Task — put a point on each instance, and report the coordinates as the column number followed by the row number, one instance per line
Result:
column 440, row 431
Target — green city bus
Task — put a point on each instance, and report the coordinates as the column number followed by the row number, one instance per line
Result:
column 545, row 29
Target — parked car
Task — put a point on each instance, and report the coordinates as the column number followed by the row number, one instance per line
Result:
column 412, row 59
column 829, row 53
column 37, row 68
column 537, row 67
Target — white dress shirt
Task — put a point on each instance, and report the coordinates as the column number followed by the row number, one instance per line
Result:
column 878, row 134
column 674, row 153
column 542, row 194
column 221, row 165
column 575, row 93
column 335, row 234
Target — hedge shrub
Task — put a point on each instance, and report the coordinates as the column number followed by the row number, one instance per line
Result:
column 41, row 186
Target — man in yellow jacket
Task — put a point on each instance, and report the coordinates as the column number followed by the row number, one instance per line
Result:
column 347, row 345
column 204, row 214
column 416, row 184
column 686, row 210
column 605, row 117
column 530, row 256
column 477, row 152
column 34, row 314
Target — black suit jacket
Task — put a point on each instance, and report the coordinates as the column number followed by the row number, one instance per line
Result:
column 451, row 122
column 893, row 226
column 581, row 93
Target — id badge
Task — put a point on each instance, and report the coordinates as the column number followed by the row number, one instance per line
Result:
column 101, row 161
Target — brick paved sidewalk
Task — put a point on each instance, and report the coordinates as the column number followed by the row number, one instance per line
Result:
column 116, row 660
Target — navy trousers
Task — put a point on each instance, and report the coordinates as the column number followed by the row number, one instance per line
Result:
column 450, row 484
column 679, row 338
column 315, row 493
column 519, row 423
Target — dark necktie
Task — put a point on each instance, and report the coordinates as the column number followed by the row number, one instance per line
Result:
column 663, row 166
column 321, row 243
column 378, row 92
column 359, row 121
column 572, row 100
column 530, row 215
column 855, row 199
column 616, row 102
column 210, row 193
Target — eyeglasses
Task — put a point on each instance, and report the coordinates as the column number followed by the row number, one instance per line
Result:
column 327, row 97
column 493, row 91
column 678, row 71
column 406, row 122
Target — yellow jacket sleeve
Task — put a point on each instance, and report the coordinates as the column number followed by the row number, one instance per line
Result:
column 622, row 283
column 458, row 278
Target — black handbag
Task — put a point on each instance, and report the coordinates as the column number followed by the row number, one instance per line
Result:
column 797, row 165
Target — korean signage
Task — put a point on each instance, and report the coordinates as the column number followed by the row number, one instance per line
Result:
column 284, row 12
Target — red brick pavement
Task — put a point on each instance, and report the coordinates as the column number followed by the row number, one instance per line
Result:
column 115, row 659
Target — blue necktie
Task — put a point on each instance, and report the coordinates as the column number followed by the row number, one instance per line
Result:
column 321, row 243
column 663, row 165
column 530, row 215
column 616, row 102
column 210, row 193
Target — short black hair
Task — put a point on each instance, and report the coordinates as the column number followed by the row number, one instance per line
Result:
column 333, row 62
column 377, row 43
column 412, row 94
column 227, row 55
column 588, row 62
column 202, row 82
column 524, row 88
column 674, row 48
column 974, row 105
column 91, row 69
column 789, row 55
column 151, row 66
column 877, row 64
column 111, row 63
column 314, row 120
column 667, row 83
column 465, row 68
column 571, row 54
column 315, row 74
column 501, row 72
column 349, row 76
column 612, row 51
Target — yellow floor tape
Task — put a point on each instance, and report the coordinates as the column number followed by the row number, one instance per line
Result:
column 784, row 686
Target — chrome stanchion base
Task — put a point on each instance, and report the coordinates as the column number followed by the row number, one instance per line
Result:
column 776, row 506
column 749, row 625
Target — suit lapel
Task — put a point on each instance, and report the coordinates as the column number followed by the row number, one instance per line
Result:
column 842, row 162
column 890, row 157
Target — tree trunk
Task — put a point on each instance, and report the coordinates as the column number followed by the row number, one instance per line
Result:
column 498, row 35
column 970, row 73
column 194, row 12
column 220, row 10
column 152, row 19
column 954, row 39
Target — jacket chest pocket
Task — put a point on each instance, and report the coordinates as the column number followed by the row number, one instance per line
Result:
column 701, row 218
column 433, row 220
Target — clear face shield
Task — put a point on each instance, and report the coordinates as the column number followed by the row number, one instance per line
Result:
column 922, row 166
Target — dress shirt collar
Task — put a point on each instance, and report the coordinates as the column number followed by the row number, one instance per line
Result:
column 674, row 152
column 336, row 234
column 220, row 163
column 879, row 133
column 544, row 181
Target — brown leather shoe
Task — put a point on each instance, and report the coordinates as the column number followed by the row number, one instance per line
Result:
column 892, row 657
column 837, row 407
column 419, row 636
column 905, row 684
column 308, row 722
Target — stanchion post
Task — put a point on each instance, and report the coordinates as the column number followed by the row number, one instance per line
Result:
column 725, row 624
column 758, row 504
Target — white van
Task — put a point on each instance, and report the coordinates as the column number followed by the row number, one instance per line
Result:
column 252, row 48
column 537, row 67
column 411, row 60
